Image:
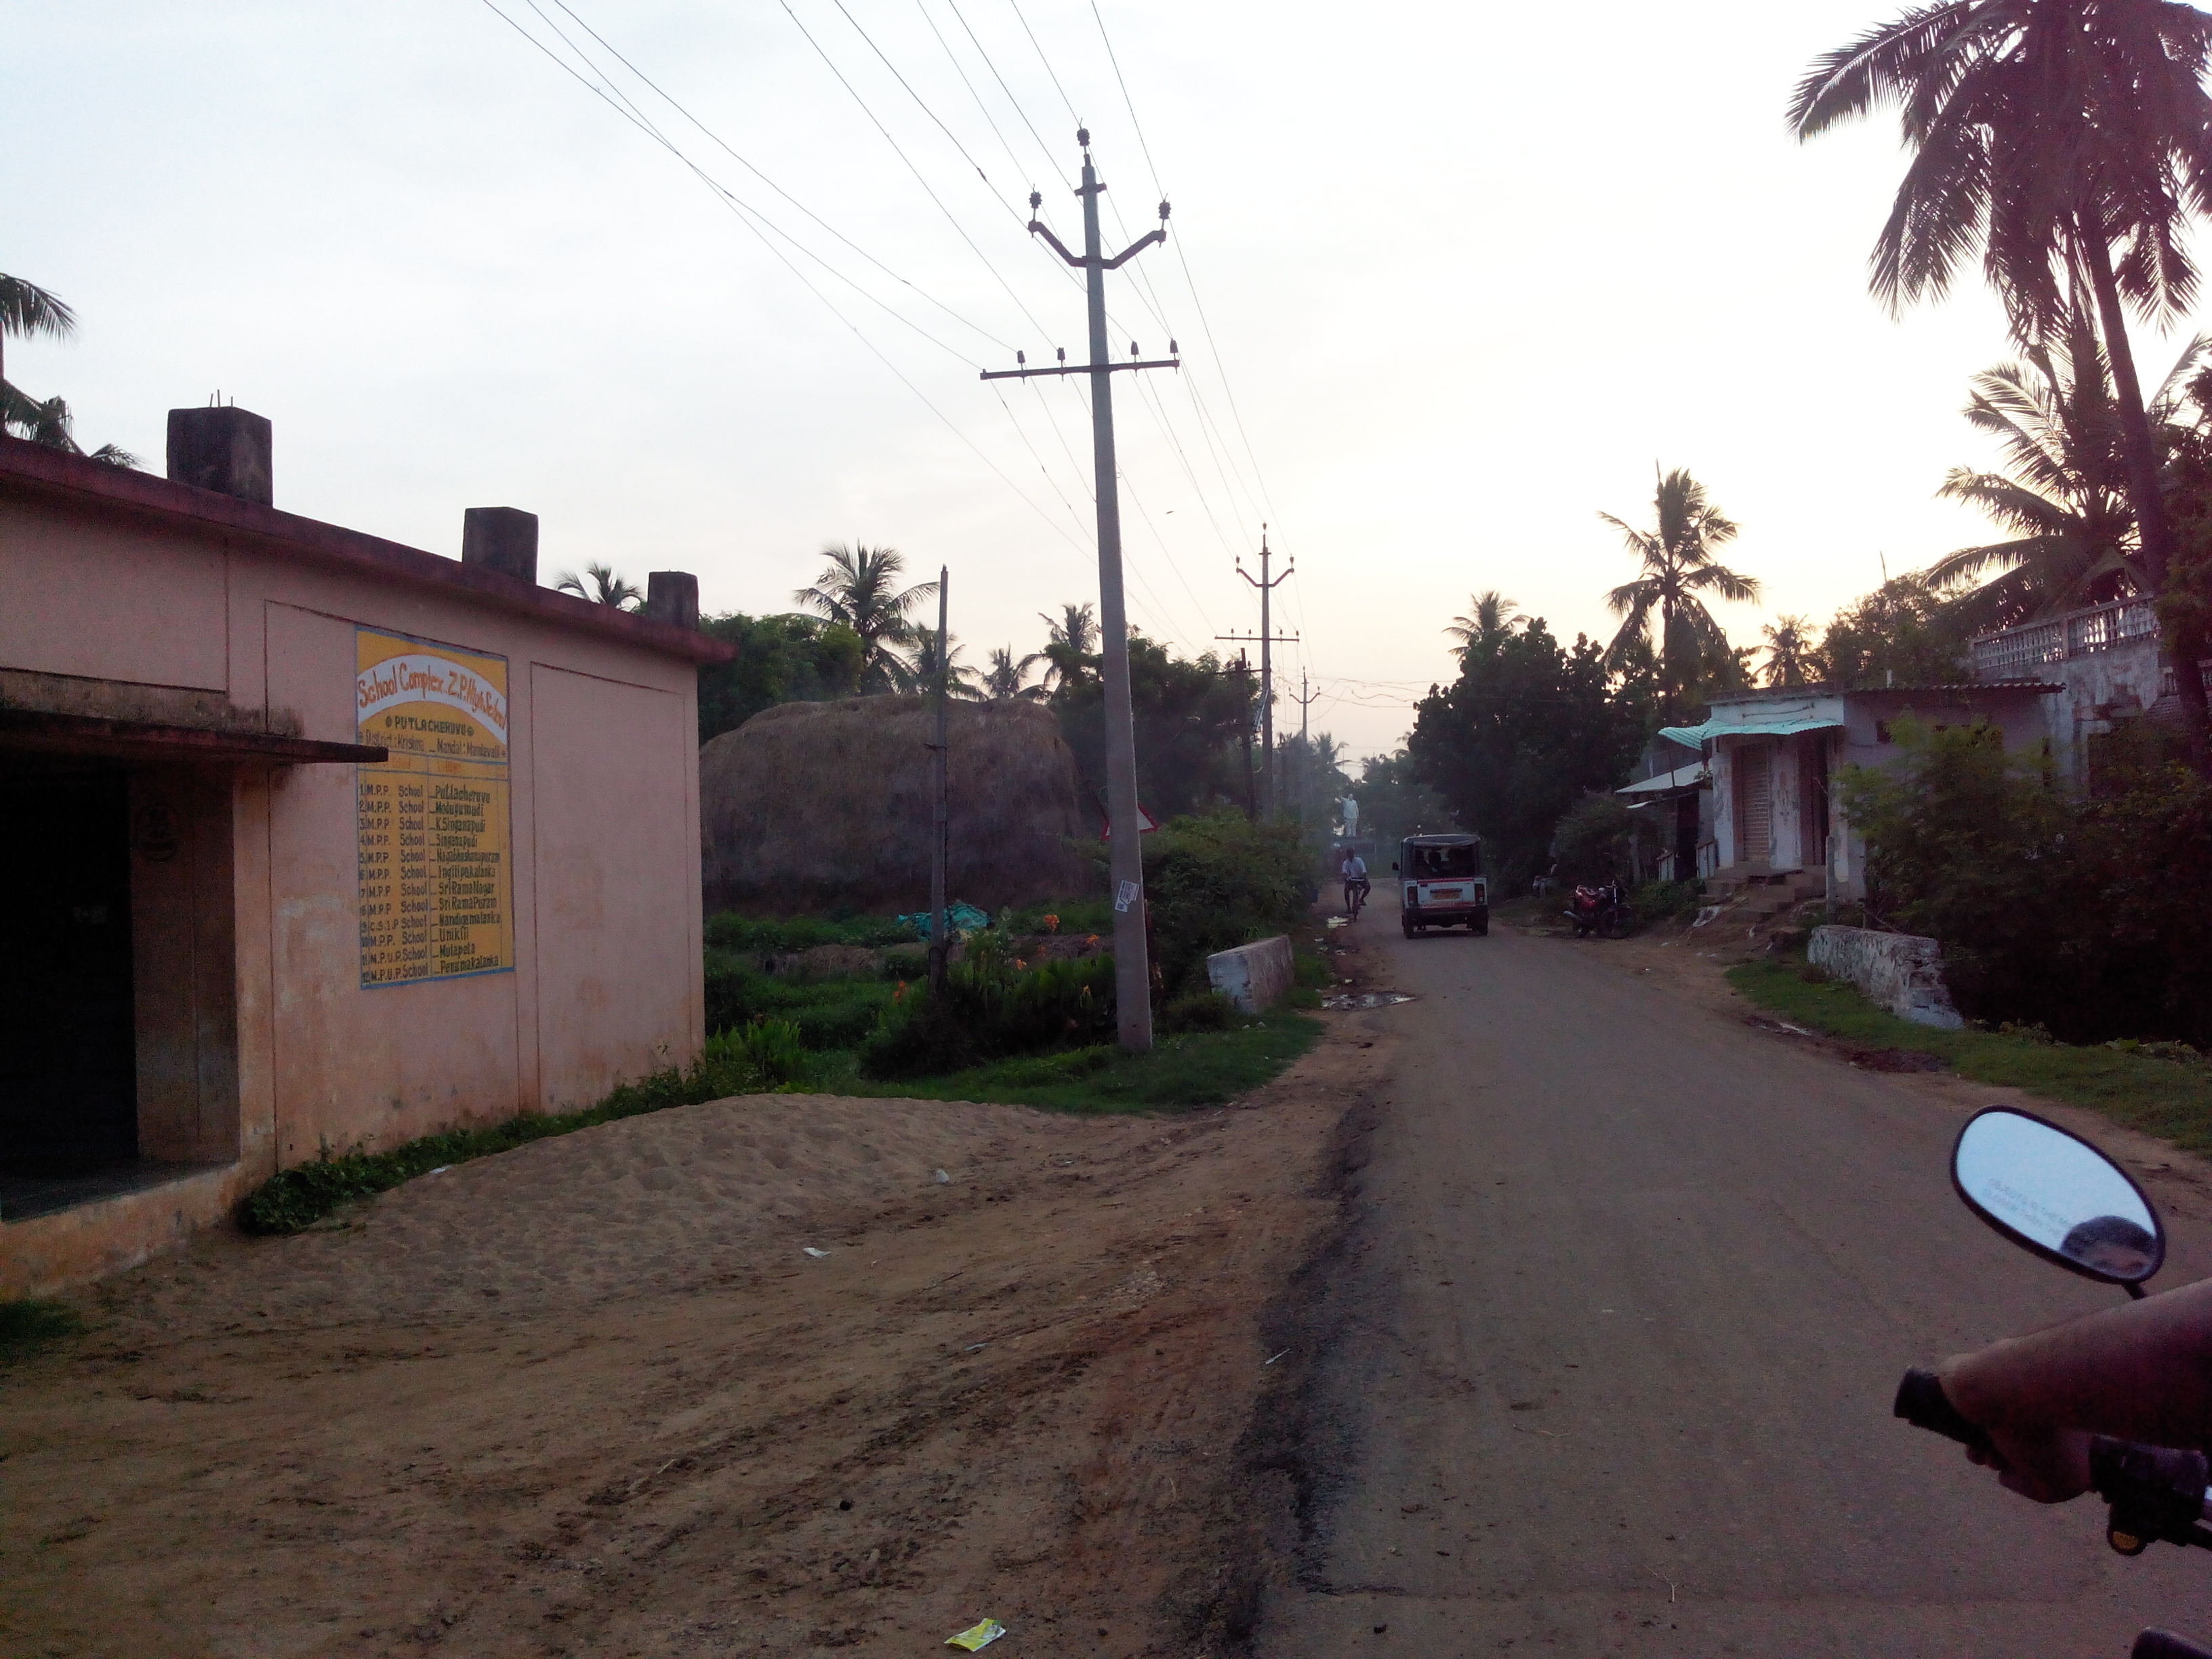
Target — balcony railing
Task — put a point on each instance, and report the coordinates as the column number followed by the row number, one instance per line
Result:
column 2019, row 652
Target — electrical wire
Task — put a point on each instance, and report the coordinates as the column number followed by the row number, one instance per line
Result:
column 1046, row 62
column 958, row 228
column 746, row 218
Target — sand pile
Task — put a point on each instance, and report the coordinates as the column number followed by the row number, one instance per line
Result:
column 693, row 1196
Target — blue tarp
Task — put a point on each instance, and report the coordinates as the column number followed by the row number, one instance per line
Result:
column 959, row 919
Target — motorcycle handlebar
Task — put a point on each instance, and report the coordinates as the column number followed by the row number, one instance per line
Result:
column 1921, row 1402
column 2155, row 1491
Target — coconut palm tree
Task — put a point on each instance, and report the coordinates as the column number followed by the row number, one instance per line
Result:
column 919, row 672
column 27, row 309
column 858, row 589
column 2063, row 492
column 1789, row 651
column 1489, row 617
column 601, row 586
column 2053, row 135
column 1071, row 649
column 1006, row 680
column 1664, row 603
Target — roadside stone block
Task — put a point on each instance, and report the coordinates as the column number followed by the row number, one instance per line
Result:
column 1900, row 972
column 1254, row 976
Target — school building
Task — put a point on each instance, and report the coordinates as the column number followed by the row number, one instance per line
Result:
column 313, row 842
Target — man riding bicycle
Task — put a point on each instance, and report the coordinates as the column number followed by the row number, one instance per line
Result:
column 1353, row 869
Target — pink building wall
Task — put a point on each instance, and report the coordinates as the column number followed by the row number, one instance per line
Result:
column 258, row 1046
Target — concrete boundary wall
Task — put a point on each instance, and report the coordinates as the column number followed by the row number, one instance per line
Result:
column 1899, row 972
column 1254, row 976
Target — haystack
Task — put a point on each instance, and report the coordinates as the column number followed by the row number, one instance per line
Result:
column 811, row 804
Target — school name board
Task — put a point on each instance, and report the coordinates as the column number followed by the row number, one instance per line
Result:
column 437, row 875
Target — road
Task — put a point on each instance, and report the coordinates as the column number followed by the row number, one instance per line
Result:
column 1613, row 1341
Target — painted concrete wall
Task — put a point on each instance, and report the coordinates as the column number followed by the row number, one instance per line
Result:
column 266, row 1051
column 1900, row 972
column 1254, row 976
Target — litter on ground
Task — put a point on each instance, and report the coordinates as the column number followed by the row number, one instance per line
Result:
column 1365, row 999
column 977, row 1636
column 817, row 1254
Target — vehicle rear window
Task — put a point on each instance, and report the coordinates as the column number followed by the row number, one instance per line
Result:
column 1445, row 863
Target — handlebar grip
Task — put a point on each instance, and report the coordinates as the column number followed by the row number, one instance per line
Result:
column 2165, row 1644
column 1921, row 1402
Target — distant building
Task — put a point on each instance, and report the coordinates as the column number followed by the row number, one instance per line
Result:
column 313, row 842
column 2103, row 665
column 1760, row 770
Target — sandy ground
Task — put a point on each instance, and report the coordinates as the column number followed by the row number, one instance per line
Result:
column 592, row 1396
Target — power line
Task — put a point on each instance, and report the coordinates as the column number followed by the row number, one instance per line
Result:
column 717, row 139
column 745, row 218
column 915, row 170
column 1046, row 62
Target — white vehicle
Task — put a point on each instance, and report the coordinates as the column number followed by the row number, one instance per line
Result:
column 1441, row 883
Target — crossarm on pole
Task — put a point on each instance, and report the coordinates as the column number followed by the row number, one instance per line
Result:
column 1038, row 227
column 1175, row 363
column 1137, row 246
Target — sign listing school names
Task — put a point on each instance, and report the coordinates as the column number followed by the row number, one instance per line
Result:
column 437, row 876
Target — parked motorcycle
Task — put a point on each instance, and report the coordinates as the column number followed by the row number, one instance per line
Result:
column 2056, row 1196
column 1604, row 911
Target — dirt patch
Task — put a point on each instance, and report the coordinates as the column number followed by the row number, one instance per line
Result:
column 593, row 1396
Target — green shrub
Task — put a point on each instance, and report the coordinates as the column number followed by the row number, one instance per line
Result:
column 1216, row 883
column 29, row 1325
column 990, row 1008
column 1664, row 901
column 1593, row 840
column 757, row 936
column 2081, row 915
column 835, row 1013
column 770, row 1049
column 1201, row 1010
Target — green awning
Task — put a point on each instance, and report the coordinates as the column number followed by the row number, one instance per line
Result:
column 1696, row 737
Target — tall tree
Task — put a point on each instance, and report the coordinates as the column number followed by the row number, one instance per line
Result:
column 601, row 586
column 1789, row 651
column 1006, row 680
column 858, row 589
column 1519, row 737
column 1902, row 634
column 780, row 659
column 921, row 669
column 1190, row 718
column 1489, row 615
column 2070, row 140
column 1666, row 603
column 27, row 309
column 1071, row 650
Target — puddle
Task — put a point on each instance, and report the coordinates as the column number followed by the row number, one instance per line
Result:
column 1366, row 999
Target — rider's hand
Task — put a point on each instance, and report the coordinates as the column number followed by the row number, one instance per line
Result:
column 2049, row 1465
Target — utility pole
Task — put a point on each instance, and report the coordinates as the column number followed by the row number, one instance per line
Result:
column 1243, row 672
column 1306, row 700
column 939, row 941
column 1267, row 588
column 1133, row 977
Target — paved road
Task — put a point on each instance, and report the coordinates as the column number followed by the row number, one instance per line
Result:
column 1627, row 1297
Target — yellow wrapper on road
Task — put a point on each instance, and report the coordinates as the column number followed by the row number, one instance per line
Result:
column 977, row 1636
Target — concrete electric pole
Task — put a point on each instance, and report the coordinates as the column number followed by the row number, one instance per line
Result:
column 1133, row 977
column 940, row 938
column 1266, row 637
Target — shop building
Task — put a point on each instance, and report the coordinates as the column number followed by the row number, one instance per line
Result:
column 315, row 842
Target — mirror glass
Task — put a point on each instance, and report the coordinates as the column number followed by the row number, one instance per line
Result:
column 2059, row 1193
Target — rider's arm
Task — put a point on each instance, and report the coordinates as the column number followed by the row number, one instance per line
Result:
column 2139, row 1371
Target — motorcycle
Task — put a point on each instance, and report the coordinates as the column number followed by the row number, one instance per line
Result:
column 2057, row 1196
column 1601, row 910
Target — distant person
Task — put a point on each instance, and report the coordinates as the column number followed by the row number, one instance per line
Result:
column 1353, row 869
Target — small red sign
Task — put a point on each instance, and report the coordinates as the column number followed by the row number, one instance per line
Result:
column 1146, row 823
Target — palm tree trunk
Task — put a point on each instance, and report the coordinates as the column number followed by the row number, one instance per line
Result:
column 2182, row 646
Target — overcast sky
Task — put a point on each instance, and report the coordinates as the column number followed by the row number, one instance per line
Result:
column 1465, row 273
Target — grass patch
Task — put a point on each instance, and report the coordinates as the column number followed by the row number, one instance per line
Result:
column 2141, row 1090
column 1197, row 1068
column 28, row 1326
column 297, row 1198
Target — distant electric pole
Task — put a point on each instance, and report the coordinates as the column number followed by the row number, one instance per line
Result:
column 940, row 940
column 1133, row 977
column 1266, row 637
column 1306, row 700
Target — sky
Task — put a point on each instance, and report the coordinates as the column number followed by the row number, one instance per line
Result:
column 1447, row 281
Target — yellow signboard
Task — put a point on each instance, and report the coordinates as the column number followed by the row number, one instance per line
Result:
column 437, row 874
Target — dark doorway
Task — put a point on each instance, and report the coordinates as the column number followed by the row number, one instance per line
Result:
column 69, row 1061
column 1686, row 837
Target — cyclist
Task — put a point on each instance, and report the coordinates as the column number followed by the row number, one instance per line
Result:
column 1353, row 869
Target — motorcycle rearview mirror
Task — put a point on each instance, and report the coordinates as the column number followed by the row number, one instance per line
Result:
column 2053, row 1193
